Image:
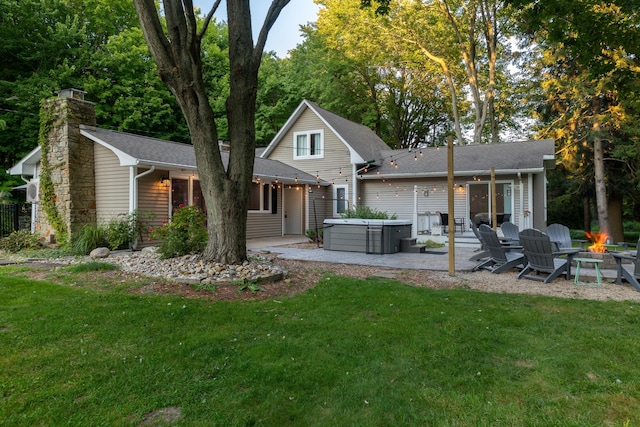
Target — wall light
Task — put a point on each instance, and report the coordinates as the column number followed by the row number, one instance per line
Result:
column 164, row 181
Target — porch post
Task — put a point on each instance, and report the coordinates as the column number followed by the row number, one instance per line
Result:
column 414, row 227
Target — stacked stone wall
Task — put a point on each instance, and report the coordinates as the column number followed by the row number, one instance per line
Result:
column 71, row 161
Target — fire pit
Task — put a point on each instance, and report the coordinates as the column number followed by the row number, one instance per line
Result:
column 598, row 250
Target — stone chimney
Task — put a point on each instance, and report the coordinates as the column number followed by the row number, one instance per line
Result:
column 71, row 163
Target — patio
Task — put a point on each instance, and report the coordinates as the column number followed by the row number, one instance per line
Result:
column 436, row 260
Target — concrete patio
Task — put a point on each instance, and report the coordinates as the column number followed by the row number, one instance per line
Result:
column 435, row 259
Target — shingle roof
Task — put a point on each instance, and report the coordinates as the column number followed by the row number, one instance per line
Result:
column 141, row 150
column 508, row 157
column 359, row 138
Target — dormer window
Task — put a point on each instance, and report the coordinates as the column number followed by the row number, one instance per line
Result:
column 308, row 145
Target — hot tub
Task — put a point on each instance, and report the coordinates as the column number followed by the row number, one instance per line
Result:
column 372, row 236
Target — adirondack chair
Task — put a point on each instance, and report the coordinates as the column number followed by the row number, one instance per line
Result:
column 541, row 258
column 501, row 258
column 484, row 250
column 633, row 277
column 511, row 232
column 561, row 237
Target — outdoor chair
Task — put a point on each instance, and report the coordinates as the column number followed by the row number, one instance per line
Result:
column 511, row 232
column 444, row 222
column 561, row 237
column 502, row 259
column 633, row 277
column 484, row 249
column 541, row 258
column 502, row 218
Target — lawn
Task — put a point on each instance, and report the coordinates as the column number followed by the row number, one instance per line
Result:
column 346, row 353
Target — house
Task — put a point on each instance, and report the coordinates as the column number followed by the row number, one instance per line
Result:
column 317, row 166
column 412, row 184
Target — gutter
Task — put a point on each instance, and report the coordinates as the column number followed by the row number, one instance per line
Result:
column 444, row 174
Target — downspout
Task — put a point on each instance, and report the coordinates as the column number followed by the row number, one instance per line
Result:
column 354, row 193
column 530, row 223
column 133, row 187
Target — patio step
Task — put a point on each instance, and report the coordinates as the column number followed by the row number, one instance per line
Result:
column 466, row 240
column 408, row 244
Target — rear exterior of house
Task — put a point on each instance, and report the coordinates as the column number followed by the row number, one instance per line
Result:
column 318, row 166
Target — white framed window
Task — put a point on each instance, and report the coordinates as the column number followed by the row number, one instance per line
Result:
column 260, row 200
column 308, row 145
column 340, row 199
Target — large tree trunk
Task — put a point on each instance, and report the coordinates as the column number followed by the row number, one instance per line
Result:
column 598, row 166
column 178, row 56
column 615, row 217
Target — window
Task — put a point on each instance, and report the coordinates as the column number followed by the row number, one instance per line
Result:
column 260, row 200
column 308, row 145
column 179, row 193
column 340, row 199
column 185, row 192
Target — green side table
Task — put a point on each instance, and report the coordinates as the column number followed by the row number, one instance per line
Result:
column 596, row 264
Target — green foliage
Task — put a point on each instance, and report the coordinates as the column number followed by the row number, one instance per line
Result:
column 429, row 244
column 184, row 234
column 365, row 212
column 91, row 266
column 126, row 229
column 91, row 236
column 249, row 285
column 19, row 241
column 311, row 234
column 120, row 232
column 47, row 190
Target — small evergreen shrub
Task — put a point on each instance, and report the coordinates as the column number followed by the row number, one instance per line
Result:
column 185, row 234
column 20, row 240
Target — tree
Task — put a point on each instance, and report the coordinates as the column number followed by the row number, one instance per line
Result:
column 591, row 67
column 178, row 55
column 366, row 78
column 450, row 33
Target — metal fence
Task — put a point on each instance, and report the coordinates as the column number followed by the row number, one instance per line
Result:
column 14, row 217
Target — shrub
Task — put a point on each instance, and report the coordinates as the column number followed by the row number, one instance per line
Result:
column 91, row 237
column 20, row 240
column 185, row 234
column 365, row 212
column 126, row 229
column 311, row 234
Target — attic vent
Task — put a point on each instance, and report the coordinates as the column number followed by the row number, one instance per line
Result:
column 33, row 191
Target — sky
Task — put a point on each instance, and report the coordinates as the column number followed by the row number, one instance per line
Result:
column 285, row 33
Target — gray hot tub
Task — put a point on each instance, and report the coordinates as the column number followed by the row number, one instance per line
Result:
column 372, row 236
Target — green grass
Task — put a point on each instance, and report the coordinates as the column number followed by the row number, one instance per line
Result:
column 346, row 353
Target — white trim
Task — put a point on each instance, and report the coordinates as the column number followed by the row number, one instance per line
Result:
column 307, row 134
column 262, row 209
column 355, row 157
column 345, row 187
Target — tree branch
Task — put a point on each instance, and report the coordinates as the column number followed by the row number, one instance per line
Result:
column 208, row 19
column 272, row 15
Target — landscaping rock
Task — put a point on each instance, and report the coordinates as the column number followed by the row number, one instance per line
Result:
column 100, row 253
